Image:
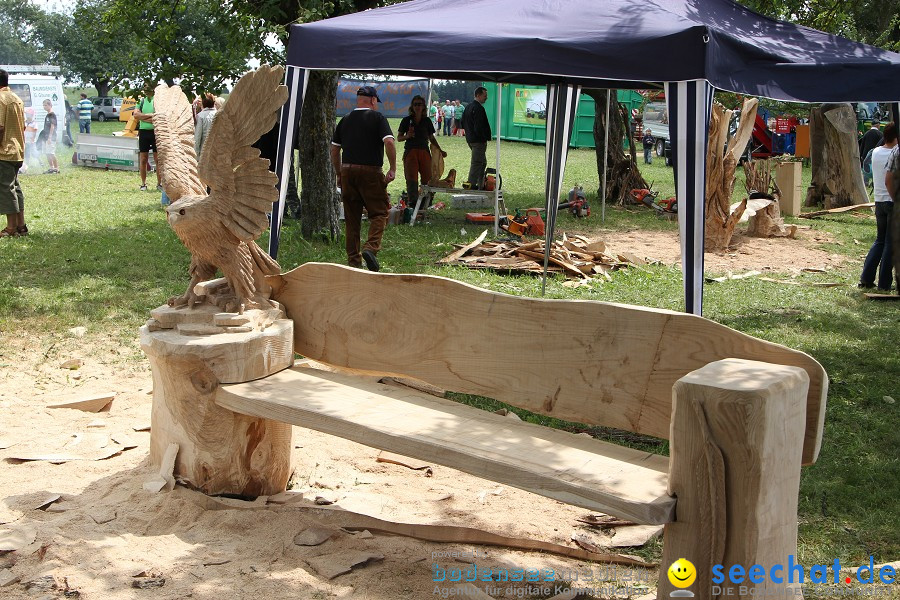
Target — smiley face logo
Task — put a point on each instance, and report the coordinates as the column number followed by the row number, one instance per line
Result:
column 682, row 573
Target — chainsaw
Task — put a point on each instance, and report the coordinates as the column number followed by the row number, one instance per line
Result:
column 530, row 223
column 648, row 198
column 577, row 203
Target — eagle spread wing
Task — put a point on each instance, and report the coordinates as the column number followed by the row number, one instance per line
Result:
column 173, row 122
column 241, row 183
column 220, row 228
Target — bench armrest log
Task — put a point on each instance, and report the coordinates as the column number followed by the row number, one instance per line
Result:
column 591, row 362
column 192, row 352
column 734, row 468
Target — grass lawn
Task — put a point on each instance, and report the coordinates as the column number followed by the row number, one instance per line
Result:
column 101, row 255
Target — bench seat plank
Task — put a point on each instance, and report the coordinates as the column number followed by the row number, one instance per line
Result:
column 570, row 468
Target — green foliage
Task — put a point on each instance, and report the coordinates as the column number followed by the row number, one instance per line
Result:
column 454, row 90
column 86, row 53
column 874, row 22
column 18, row 39
column 200, row 43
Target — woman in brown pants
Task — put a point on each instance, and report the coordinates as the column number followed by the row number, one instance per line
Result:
column 417, row 130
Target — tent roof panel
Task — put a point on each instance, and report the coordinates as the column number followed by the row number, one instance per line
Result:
column 600, row 44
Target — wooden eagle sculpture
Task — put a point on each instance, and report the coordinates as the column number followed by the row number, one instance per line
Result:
column 220, row 227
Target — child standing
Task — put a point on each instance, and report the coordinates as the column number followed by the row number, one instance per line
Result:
column 649, row 141
column 31, row 133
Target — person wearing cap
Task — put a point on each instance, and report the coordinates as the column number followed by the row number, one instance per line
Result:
column 361, row 139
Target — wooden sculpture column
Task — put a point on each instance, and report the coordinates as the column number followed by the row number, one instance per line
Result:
column 736, row 448
column 191, row 352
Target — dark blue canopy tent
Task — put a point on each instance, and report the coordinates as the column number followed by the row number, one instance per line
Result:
column 690, row 47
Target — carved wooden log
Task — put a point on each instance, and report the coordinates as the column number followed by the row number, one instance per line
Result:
column 836, row 174
column 721, row 162
column 815, row 193
column 843, row 176
column 191, row 352
column 735, row 469
column 766, row 222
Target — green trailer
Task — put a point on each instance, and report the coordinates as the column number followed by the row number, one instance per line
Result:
column 524, row 113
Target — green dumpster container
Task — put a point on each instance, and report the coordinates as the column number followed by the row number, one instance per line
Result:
column 524, row 113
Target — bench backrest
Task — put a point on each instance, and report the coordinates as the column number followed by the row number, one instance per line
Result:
column 591, row 362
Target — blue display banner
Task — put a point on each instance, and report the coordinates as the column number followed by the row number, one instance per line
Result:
column 396, row 96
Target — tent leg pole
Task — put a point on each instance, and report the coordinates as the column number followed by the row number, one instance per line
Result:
column 605, row 159
column 497, row 163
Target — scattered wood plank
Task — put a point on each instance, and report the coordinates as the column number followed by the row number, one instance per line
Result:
column 578, row 258
column 638, row 535
column 91, row 403
column 403, row 461
column 332, row 565
column 16, row 538
column 604, row 521
column 314, row 536
column 569, row 267
column 832, row 211
column 63, row 457
column 730, row 276
column 165, row 478
column 462, row 251
column 885, row 297
column 823, row 284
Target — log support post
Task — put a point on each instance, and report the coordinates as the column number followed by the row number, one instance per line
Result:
column 192, row 352
column 736, row 446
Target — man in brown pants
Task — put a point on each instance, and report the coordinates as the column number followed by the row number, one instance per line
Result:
column 364, row 136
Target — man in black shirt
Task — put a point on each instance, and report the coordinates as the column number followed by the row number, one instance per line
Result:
column 478, row 134
column 364, row 136
column 870, row 140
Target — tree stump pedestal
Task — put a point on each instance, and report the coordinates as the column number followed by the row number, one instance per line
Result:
column 193, row 351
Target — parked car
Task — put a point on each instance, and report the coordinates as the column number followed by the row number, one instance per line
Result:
column 106, row 108
column 870, row 110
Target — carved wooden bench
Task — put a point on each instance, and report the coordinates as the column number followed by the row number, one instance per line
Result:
column 741, row 414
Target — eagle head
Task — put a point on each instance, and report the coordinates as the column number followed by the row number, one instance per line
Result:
column 187, row 212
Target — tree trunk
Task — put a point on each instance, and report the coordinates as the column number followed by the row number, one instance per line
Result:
column 102, row 85
column 622, row 174
column 837, row 178
column 318, row 199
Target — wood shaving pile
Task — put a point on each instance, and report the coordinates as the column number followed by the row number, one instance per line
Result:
column 577, row 257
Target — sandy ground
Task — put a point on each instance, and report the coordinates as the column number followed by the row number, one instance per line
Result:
column 743, row 254
column 103, row 527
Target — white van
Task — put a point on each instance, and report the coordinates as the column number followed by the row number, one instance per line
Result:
column 33, row 89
